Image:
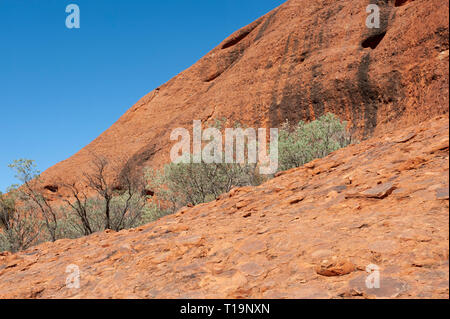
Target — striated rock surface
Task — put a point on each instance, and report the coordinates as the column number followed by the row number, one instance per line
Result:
column 308, row 233
column 299, row 61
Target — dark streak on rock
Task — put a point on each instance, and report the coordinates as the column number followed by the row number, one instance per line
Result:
column 369, row 95
column 273, row 109
column 266, row 24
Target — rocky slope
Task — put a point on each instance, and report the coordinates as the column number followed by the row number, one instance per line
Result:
column 299, row 61
column 308, row 233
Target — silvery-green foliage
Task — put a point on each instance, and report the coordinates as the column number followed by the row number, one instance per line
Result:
column 182, row 184
column 153, row 211
column 305, row 142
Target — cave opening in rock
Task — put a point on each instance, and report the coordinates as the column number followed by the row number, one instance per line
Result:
column 52, row 188
column 373, row 41
column 236, row 40
column 399, row 3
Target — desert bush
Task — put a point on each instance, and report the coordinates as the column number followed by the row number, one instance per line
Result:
column 181, row 184
column 305, row 142
column 153, row 211
column 19, row 227
column 189, row 183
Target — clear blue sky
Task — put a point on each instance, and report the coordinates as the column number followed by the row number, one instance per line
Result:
column 60, row 88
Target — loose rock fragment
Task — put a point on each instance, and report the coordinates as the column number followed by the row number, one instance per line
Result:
column 378, row 192
column 335, row 268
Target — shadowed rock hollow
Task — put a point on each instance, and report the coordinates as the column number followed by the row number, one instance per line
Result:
column 299, row 61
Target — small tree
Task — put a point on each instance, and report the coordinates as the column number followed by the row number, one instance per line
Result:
column 19, row 228
column 80, row 206
column 128, row 205
column 123, row 198
column 31, row 191
column 98, row 182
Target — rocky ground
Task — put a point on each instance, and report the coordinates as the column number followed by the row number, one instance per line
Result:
column 308, row 233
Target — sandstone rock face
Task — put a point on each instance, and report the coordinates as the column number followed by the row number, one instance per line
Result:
column 274, row 246
column 299, row 61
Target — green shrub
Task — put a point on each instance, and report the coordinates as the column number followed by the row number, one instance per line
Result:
column 195, row 183
column 153, row 211
column 182, row 184
column 305, row 142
